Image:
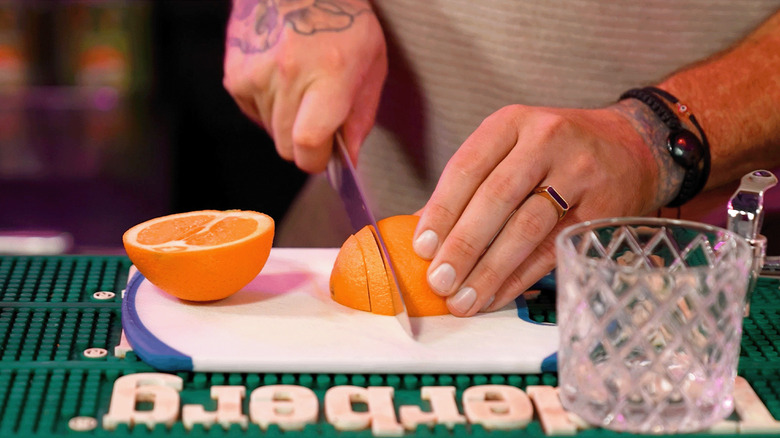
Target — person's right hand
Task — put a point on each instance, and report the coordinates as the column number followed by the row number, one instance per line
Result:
column 303, row 70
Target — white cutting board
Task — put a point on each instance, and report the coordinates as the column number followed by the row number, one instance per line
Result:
column 285, row 321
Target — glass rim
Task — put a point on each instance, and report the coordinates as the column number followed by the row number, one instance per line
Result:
column 563, row 237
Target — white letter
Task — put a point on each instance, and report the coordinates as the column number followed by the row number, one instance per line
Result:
column 754, row 417
column 555, row 420
column 289, row 406
column 228, row 409
column 497, row 406
column 160, row 389
column 444, row 410
column 380, row 414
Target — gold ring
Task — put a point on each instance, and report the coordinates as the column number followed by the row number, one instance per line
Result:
column 555, row 198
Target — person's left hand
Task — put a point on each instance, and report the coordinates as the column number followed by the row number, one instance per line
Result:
column 490, row 239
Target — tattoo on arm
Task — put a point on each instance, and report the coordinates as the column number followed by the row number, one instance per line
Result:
column 264, row 20
column 655, row 133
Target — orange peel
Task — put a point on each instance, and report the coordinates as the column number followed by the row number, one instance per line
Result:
column 366, row 260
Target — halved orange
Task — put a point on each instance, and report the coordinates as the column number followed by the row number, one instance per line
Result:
column 201, row 255
column 366, row 259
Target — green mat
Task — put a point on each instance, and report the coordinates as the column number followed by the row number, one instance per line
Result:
column 50, row 315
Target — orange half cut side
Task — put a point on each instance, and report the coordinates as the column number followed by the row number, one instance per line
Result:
column 204, row 255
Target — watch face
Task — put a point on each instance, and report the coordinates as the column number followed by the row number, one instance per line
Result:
column 685, row 147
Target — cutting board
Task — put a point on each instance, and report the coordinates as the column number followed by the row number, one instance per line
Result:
column 285, row 321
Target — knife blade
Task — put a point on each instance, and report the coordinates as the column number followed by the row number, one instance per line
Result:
column 342, row 177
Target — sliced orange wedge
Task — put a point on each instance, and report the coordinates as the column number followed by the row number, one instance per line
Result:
column 359, row 276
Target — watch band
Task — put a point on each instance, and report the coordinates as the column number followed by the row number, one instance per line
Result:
column 685, row 147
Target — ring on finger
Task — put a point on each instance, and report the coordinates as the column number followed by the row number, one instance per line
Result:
column 552, row 195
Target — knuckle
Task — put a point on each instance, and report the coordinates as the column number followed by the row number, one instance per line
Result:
column 334, row 59
column 551, row 125
column 287, row 63
column 490, row 277
column 546, row 250
column 440, row 214
column 587, row 164
column 464, row 164
column 501, row 190
column 464, row 245
column 308, row 139
column 519, row 280
column 235, row 85
column 505, row 115
column 309, row 165
column 228, row 83
column 514, row 284
column 530, row 226
column 286, row 153
column 508, row 111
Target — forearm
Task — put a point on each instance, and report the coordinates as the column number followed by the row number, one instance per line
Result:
column 735, row 96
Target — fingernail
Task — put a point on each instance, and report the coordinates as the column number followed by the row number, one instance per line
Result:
column 442, row 279
column 463, row 300
column 487, row 303
column 425, row 244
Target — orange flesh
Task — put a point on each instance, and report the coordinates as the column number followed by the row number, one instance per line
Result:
column 195, row 230
column 173, row 229
column 201, row 256
column 228, row 229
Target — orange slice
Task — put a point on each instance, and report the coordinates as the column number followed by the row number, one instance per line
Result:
column 379, row 290
column 201, row 255
column 348, row 276
column 366, row 259
column 411, row 270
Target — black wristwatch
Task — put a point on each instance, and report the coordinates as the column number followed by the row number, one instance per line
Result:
column 686, row 149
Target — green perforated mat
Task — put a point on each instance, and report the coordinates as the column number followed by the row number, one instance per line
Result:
column 50, row 315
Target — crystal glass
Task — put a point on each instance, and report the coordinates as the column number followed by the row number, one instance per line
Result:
column 650, row 319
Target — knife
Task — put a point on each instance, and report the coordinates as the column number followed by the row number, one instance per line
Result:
column 343, row 179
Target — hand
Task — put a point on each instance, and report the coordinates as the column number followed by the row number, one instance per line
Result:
column 304, row 69
column 490, row 240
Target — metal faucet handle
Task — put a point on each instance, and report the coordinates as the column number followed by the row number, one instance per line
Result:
column 746, row 206
column 746, row 215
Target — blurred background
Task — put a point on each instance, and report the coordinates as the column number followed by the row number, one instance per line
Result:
column 113, row 112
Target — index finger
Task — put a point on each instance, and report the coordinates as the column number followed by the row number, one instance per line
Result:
column 324, row 108
column 467, row 169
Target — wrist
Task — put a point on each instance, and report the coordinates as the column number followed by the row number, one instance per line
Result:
column 654, row 133
column 688, row 150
